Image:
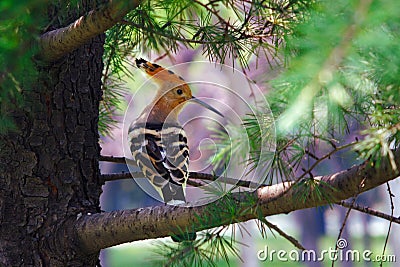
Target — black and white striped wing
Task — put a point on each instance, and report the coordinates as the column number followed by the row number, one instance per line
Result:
column 162, row 154
column 177, row 152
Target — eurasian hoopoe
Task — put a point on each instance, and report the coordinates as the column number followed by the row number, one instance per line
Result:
column 157, row 141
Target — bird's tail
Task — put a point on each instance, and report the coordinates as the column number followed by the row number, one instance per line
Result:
column 173, row 194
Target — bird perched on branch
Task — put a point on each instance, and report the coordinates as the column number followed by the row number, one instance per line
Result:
column 158, row 142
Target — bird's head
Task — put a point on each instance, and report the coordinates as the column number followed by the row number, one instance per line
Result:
column 173, row 92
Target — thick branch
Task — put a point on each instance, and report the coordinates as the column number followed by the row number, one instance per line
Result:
column 55, row 44
column 103, row 230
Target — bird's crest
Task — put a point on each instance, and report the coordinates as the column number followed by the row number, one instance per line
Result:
column 158, row 72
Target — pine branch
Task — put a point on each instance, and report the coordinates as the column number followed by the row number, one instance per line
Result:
column 282, row 233
column 346, row 217
column 369, row 211
column 55, row 44
column 98, row 231
column 326, row 156
column 391, row 215
column 243, row 36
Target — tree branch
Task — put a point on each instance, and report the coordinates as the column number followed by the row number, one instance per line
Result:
column 192, row 176
column 369, row 211
column 121, row 160
column 282, row 233
column 55, row 44
column 98, row 231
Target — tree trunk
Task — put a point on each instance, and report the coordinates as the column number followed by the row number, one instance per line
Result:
column 49, row 172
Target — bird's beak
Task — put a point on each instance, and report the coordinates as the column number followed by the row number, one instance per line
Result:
column 207, row 106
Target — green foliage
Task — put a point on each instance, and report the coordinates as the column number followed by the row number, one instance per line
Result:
column 379, row 142
column 212, row 245
column 225, row 29
column 343, row 67
column 251, row 144
column 116, row 69
column 260, row 131
column 341, row 75
column 315, row 188
column 18, row 28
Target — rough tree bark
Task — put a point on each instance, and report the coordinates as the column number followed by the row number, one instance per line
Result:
column 49, row 174
column 49, row 168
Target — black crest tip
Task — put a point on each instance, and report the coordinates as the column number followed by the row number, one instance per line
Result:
column 140, row 61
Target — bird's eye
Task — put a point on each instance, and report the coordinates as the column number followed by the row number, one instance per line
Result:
column 179, row 91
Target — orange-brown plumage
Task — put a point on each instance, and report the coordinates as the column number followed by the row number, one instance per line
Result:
column 173, row 92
